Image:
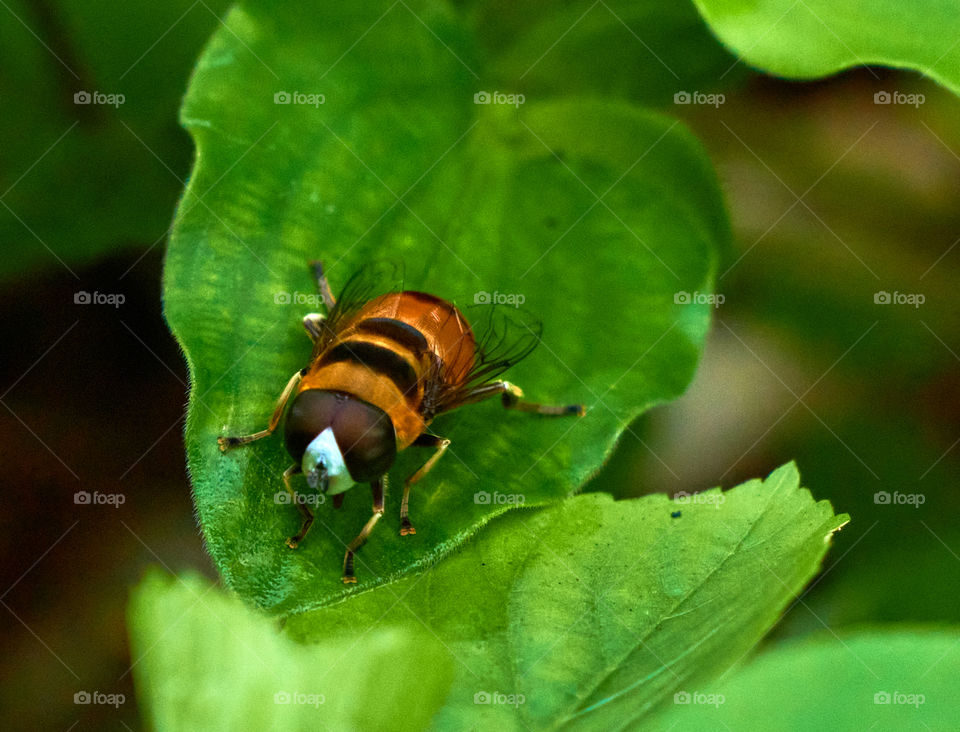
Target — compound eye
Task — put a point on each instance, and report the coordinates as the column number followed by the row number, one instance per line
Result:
column 366, row 438
column 311, row 412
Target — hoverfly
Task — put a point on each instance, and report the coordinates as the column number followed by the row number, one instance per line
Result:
column 382, row 368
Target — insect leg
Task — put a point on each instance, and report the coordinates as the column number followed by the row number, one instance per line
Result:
column 227, row 442
column 323, row 286
column 512, row 398
column 313, row 324
column 377, row 488
column 441, row 443
column 305, row 513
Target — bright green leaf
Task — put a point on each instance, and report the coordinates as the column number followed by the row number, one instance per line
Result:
column 203, row 660
column 814, row 38
column 493, row 199
column 644, row 50
column 597, row 611
column 884, row 681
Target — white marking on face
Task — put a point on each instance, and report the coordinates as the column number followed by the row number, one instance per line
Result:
column 323, row 455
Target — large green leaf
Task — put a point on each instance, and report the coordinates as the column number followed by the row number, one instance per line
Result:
column 641, row 49
column 493, row 198
column 596, row 611
column 807, row 39
column 882, row 680
column 203, row 660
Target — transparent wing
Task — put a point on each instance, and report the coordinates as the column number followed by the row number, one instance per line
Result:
column 505, row 336
column 373, row 279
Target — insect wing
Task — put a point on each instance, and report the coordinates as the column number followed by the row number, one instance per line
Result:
column 504, row 336
column 375, row 278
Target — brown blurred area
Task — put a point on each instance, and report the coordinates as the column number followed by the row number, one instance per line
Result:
column 94, row 398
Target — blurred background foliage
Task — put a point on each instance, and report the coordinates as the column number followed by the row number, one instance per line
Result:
column 84, row 179
column 801, row 364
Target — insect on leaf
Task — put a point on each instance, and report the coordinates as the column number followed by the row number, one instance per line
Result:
column 592, row 215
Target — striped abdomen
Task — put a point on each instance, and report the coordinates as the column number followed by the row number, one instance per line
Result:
column 386, row 351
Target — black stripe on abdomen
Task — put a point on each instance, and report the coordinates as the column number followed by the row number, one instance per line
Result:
column 403, row 334
column 377, row 358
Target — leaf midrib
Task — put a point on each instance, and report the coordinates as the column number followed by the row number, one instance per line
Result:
column 581, row 698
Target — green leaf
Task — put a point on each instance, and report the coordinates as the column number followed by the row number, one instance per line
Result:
column 493, row 199
column 883, row 680
column 203, row 660
column 641, row 49
column 597, row 611
column 814, row 38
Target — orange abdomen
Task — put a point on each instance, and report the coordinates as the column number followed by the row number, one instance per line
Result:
column 382, row 353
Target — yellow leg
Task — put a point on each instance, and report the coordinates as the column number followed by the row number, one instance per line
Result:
column 512, row 398
column 441, row 443
column 323, row 286
column 377, row 489
column 227, row 442
column 305, row 513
